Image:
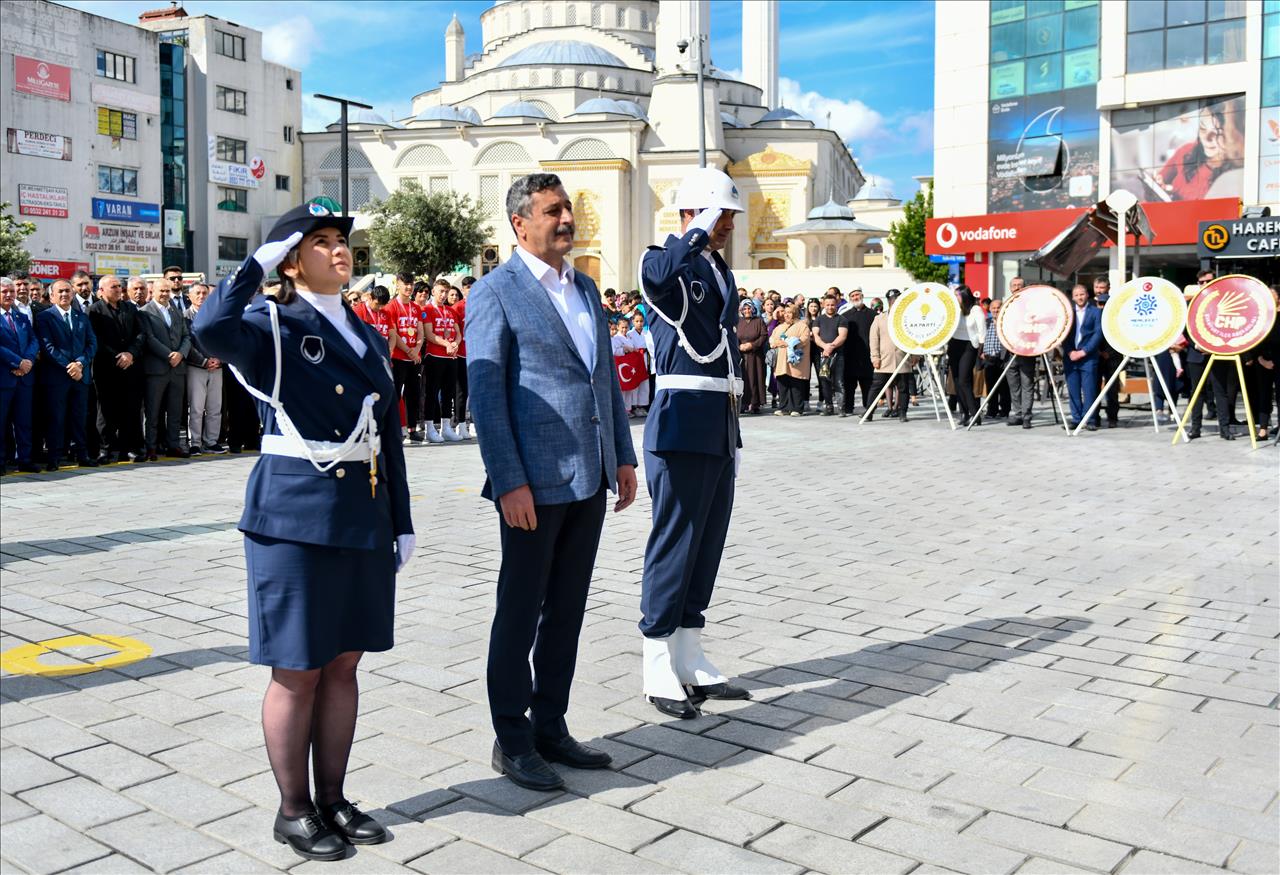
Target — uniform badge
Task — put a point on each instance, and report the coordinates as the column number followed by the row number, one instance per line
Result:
column 313, row 349
column 698, row 291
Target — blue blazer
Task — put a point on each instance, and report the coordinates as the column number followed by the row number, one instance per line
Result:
column 1090, row 336
column 15, row 348
column 62, row 347
column 683, row 419
column 541, row 417
column 323, row 384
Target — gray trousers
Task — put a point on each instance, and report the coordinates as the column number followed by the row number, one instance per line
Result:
column 164, row 398
column 204, row 406
column 1022, row 386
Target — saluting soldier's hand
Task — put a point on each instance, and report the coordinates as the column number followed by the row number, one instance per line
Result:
column 517, row 509
column 626, row 487
column 269, row 255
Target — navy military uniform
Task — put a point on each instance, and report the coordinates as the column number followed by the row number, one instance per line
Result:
column 328, row 498
column 691, row 440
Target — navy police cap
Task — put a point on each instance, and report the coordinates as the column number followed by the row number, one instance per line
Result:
column 310, row 216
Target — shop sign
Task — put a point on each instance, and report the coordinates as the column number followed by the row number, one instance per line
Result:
column 1240, row 238
column 33, row 76
column 43, row 200
column 1033, row 321
column 43, row 269
column 124, row 98
column 226, row 173
column 174, row 231
column 224, row 268
column 1144, row 317
column 121, row 265
column 110, row 210
column 924, row 318
column 38, row 144
column 129, row 239
column 1231, row 315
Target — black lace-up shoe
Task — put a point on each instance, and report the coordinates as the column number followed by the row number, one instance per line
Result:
column 351, row 823
column 309, row 837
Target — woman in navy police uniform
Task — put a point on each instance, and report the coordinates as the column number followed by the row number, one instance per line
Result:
column 326, row 518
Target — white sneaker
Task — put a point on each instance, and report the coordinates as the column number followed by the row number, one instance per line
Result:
column 464, row 431
column 447, row 432
column 433, row 436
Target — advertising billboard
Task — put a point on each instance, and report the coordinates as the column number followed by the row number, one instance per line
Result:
column 38, row 144
column 125, row 211
column 1043, row 151
column 33, row 76
column 1180, row 151
column 43, row 200
column 126, row 239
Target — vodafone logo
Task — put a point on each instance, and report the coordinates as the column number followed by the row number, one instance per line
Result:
column 946, row 235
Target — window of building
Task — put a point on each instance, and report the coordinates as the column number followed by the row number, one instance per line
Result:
column 1040, row 46
column 546, row 16
column 114, row 66
column 438, row 184
column 229, row 45
column 571, row 14
column 288, row 133
column 117, row 180
column 360, row 192
column 235, row 151
column 231, row 100
column 115, row 123
column 282, row 183
column 829, row 259
column 491, row 194
column 1168, row 34
column 331, row 188
column 596, row 18
column 233, row 200
column 621, row 17
column 233, row 248
column 288, row 84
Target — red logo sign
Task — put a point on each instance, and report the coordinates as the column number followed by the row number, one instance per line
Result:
column 631, row 371
column 257, row 167
column 1033, row 321
column 1232, row 314
column 56, row 270
column 41, row 78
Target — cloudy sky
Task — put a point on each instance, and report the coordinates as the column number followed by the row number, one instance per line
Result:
column 866, row 65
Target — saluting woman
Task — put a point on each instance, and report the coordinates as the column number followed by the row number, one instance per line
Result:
column 326, row 519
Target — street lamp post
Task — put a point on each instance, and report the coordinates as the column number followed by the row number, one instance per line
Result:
column 702, row 99
column 344, row 103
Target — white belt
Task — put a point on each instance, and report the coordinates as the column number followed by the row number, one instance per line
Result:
column 280, row 445
column 703, row 384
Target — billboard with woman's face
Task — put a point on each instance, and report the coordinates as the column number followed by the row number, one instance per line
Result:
column 1180, row 151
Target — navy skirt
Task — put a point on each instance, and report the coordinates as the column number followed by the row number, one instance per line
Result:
column 309, row 603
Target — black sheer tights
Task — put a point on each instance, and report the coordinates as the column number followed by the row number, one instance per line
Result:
column 311, row 712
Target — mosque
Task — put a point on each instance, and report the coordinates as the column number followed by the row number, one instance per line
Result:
column 604, row 94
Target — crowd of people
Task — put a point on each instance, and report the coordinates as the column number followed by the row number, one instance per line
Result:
column 116, row 375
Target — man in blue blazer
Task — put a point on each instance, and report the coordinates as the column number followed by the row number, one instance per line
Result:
column 69, row 345
column 1080, row 356
column 18, row 351
column 554, row 437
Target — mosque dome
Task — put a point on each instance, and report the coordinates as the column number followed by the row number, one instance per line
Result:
column 522, row 109
column 875, row 188
column 781, row 114
column 831, row 210
column 563, row 51
column 466, row 115
column 612, row 107
column 362, row 117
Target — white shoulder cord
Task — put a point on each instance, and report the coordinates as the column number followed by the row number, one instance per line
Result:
column 721, row 349
column 322, row 458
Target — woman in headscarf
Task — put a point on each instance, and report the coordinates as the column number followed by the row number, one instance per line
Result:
column 751, row 341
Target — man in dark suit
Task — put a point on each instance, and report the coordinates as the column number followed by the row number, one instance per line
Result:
column 117, row 369
column 554, row 437
column 166, row 344
column 1080, row 356
column 857, row 355
column 65, row 374
column 18, row 350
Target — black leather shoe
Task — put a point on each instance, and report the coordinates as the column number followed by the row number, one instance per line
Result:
column 529, row 770
column 179, row 453
column 1227, row 434
column 698, row 694
column 52, row 466
column 1091, row 427
column 1193, row 434
column 351, row 823
column 88, row 463
column 309, row 837
column 681, row 708
column 1027, row 424
column 28, row 467
column 570, row 752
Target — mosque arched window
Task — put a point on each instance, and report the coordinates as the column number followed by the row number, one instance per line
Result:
column 832, row 258
column 533, row 78
column 644, row 19
column 621, row 17
column 525, row 21
column 571, row 14
column 595, row 15
column 556, row 78
column 546, row 16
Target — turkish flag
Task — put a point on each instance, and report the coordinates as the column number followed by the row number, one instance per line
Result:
column 631, row 370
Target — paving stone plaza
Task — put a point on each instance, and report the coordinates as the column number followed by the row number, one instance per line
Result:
column 1001, row 651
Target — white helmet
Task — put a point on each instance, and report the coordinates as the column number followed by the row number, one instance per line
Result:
column 707, row 188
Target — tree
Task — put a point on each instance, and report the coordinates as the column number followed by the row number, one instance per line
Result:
column 426, row 234
column 907, row 238
column 13, row 257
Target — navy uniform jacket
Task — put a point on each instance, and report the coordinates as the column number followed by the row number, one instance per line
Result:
column 681, row 419
column 15, row 345
column 322, row 390
column 62, row 347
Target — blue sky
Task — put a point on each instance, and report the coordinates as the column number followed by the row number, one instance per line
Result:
column 868, row 63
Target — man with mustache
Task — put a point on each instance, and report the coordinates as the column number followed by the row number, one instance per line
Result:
column 554, row 438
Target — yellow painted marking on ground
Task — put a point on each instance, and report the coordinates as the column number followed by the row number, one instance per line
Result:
column 25, row 658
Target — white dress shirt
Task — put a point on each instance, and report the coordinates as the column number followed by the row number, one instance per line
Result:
column 724, row 289
column 568, row 302
column 330, row 307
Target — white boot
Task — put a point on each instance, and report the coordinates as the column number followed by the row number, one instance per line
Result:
column 692, row 665
column 660, row 677
column 433, row 436
column 447, row 432
column 463, row 431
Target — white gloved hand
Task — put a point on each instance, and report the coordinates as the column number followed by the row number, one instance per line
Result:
column 404, row 550
column 269, row 255
column 706, row 220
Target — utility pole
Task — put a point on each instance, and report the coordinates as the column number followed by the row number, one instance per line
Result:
column 344, row 103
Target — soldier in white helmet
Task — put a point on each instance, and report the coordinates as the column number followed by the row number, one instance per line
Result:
column 690, row 441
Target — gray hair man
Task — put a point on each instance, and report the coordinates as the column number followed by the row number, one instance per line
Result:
column 204, row 386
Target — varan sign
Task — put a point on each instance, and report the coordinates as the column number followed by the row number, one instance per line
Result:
column 1239, row 238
